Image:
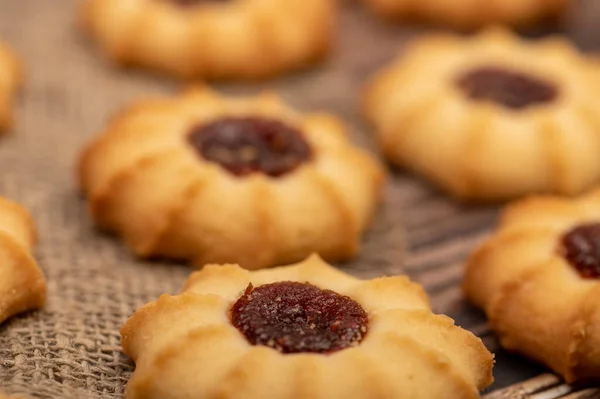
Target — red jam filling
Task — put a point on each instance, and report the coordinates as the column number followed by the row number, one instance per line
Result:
column 245, row 145
column 581, row 248
column 511, row 89
column 298, row 318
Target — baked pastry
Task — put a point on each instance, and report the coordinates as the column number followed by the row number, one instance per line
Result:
column 470, row 14
column 22, row 284
column 537, row 279
column 301, row 331
column 212, row 39
column 10, row 80
column 491, row 117
column 216, row 180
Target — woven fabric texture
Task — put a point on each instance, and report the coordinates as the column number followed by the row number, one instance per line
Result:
column 71, row 349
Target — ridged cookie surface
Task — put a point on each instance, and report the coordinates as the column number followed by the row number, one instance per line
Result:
column 209, row 178
column 22, row 284
column 537, row 279
column 186, row 346
column 491, row 117
column 246, row 39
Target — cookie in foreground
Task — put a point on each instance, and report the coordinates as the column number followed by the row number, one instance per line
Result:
column 218, row 179
column 491, row 117
column 471, row 14
column 305, row 331
column 538, row 281
column 227, row 39
column 10, row 81
column 22, row 284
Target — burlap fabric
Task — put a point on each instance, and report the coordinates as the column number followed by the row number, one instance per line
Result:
column 71, row 348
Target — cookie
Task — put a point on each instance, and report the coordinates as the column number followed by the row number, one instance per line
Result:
column 22, row 284
column 491, row 117
column 10, row 81
column 537, row 278
column 230, row 179
column 470, row 14
column 212, row 39
column 301, row 331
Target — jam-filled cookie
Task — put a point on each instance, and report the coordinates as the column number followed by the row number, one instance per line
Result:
column 538, row 279
column 10, row 80
column 212, row 39
column 240, row 179
column 470, row 14
column 306, row 331
column 491, row 117
column 22, row 284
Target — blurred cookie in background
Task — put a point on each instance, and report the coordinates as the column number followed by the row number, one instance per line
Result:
column 470, row 14
column 233, row 40
column 490, row 117
column 10, row 81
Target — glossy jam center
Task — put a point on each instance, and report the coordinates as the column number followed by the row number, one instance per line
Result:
column 511, row 89
column 295, row 317
column 245, row 145
column 581, row 248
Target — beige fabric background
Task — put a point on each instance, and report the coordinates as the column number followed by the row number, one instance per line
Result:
column 71, row 348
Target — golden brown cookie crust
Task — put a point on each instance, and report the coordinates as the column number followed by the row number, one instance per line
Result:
column 470, row 14
column 186, row 344
column 22, row 284
column 481, row 150
column 536, row 301
column 145, row 182
column 10, row 80
column 239, row 39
